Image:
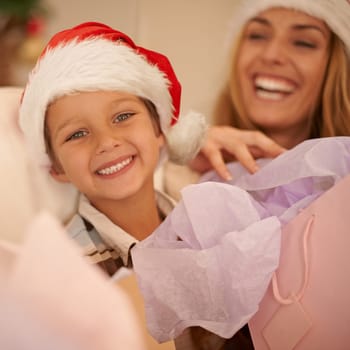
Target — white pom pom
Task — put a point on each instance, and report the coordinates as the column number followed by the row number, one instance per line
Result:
column 185, row 138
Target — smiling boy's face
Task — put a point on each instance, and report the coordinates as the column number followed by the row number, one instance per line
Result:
column 104, row 143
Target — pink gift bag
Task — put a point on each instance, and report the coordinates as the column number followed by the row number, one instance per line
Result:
column 307, row 304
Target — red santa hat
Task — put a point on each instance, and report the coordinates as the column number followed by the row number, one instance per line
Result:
column 335, row 13
column 93, row 56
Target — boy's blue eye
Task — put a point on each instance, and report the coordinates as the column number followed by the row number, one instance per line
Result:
column 122, row 116
column 77, row 135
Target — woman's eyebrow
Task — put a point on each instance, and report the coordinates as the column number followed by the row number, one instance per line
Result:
column 300, row 27
column 260, row 20
column 309, row 27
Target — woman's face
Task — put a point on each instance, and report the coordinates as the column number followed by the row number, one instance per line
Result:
column 281, row 64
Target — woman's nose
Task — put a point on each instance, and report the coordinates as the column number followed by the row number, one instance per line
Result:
column 274, row 53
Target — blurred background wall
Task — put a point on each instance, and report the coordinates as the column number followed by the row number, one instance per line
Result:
column 192, row 33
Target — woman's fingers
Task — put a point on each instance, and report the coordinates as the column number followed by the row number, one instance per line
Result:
column 260, row 144
column 215, row 158
column 243, row 155
column 243, row 145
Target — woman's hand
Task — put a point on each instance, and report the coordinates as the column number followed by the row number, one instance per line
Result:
column 225, row 143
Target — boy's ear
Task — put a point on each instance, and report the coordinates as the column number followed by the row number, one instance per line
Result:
column 58, row 174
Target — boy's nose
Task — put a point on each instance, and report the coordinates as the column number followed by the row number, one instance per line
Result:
column 106, row 142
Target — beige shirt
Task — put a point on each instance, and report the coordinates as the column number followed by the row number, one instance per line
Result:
column 103, row 242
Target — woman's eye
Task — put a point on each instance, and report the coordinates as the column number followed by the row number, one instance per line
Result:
column 77, row 135
column 256, row 36
column 306, row 44
column 123, row 116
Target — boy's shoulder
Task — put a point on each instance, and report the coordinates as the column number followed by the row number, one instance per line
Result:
column 92, row 245
column 83, row 233
column 77, row 226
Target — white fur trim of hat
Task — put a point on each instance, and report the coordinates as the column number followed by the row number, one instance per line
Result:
column 72, row 62
column 336, row 13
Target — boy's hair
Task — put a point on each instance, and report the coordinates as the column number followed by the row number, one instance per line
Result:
column 95, row 57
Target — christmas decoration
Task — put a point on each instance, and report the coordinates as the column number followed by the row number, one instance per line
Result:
column 19, row 19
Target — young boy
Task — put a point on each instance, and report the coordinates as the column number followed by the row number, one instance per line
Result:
column 100, row 114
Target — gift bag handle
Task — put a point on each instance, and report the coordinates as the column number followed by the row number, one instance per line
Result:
column 296, row 297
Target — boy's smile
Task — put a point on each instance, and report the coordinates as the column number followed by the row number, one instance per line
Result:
column 105, row 143
column 114, row 167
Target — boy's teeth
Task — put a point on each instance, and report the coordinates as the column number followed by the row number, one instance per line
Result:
column 115, row 168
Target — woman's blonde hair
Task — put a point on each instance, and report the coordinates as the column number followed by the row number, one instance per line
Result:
column 336, row 94
column 331, row 115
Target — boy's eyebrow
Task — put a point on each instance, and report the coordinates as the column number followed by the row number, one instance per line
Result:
column 298, row 27
column 60, row 127
column 123, row 99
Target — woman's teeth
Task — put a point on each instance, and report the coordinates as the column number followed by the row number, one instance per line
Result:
column 270, row 95
column 273, row 85
column 115, row 168
column 272, row 89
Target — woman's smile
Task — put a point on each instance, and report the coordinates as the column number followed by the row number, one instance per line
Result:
column 272, row 88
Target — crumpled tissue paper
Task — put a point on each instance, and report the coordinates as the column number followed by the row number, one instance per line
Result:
column 211, row 260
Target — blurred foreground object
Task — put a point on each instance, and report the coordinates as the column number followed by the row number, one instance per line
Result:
column 18, row 202
column 52, row 299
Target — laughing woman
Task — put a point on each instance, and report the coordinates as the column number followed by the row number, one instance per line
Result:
column 288, row 80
